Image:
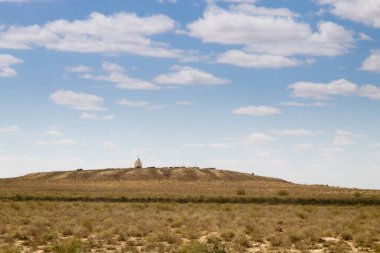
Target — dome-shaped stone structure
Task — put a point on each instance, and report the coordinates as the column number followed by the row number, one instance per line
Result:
column 138, row 164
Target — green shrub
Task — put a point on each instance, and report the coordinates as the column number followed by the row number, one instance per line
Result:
column 72, row 246
column 197, row 247
column 10, row 249
column 15, row 206
column 283, row 193
column 240, row 192
column 357, row 194
column 301, row 215
column 347, row 236
column 228, row 236
column 242, row 241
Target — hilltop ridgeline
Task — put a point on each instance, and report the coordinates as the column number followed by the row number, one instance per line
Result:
column 146, row 174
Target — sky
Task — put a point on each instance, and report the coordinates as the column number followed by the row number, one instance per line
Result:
column 287, row 89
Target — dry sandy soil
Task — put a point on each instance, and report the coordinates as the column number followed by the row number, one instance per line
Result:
column 182, row 210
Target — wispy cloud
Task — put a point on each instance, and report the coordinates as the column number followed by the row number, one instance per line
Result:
column 78, row 69
column 78, row 101
column 340, row 87
column 372, row 63
column 116, row 74
column 96, row 116
column 6, row 63
column 295, row 132
column 366, row 12
column 256, row 110
column 185, row 75
column 56, row 142
column 98, row 33
column 9, row 129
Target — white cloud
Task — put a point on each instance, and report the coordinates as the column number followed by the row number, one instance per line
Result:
column 299, row 104
column 167, row 1
column 375, row 145
column 362, row 11
column 15, row 1
column 295, row 132
column 9, row 129
column 256, row 110
column 372, row 63
column 139, row 104
column 183, row 102
column 89, row 116
column 260, row 152
column 6, row 61
column 248, row 60
column 219, row 145
column 56, row 142
column 156, row 107
column 305, row 145
column 196, row 145
column 249, row 8
column 108, row 117
column 340, row 87
column 312, row 90
column 185, row 75
column 330, row 152
column 53, row 131
column 116, row 74
column 365, row 37
column 233, row 1
column 95, row 116
column 270, row 32
column 78, row 69
column 370, row 91
column 110, row 145
column 215, row 145
column 134, row 104
column 343, row 138
column 258, row 138
column 78, row 101
column 118, row 33
column 110, row 67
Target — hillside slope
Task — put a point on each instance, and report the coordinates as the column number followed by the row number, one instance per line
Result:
column 169, row 182
column 176, row 174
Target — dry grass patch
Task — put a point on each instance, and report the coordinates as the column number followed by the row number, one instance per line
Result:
column 160, row 227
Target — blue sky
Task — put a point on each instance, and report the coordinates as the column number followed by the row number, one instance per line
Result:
column 278, row 88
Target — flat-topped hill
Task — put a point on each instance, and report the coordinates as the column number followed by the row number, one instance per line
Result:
column 170, row 183
column 145, row 174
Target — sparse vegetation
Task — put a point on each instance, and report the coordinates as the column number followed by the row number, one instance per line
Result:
column 283, row 193
column 263, row 215
column 71, row 246
column 169, row 227
column 240, row 192
column 10, row 249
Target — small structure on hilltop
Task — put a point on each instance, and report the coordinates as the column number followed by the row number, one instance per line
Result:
column 138, row 163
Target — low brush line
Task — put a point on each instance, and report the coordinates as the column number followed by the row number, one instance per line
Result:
column 215, row 200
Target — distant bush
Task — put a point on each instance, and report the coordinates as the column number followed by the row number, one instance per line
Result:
column 193, row 248
column 197, row 247
column 10, row 249
column 301, row 215
column 357, row 194
column 240, row 192
column 283, row 193
column 15, row 206
column 242, row 241
column 72, row 246
column 228, row 236
column 347, row 236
